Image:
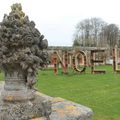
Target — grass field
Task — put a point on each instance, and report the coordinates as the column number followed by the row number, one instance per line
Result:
column 99, row 92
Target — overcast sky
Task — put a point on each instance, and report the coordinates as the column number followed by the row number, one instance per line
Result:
column 56, row 19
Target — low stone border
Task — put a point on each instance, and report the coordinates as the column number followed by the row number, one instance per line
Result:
column 66, row 110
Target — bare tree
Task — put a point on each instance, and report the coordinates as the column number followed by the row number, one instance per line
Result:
column 111, row 36
column 97, row 25
column 87, row 32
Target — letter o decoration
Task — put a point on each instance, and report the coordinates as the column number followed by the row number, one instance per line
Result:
column 74, row 61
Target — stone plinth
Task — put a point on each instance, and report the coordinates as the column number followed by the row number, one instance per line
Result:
column 15, row 88
column 25, row 110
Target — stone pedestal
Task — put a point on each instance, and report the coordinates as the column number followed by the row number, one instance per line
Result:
column 13, row 109
column 26, row 110
column 15, row 88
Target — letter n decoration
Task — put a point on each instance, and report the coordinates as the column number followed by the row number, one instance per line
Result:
column 57, row 59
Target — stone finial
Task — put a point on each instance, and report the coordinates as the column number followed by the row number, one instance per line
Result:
column 22, row 53
column 22, row 46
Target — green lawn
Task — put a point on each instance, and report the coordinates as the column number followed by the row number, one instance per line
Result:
column 99, row 92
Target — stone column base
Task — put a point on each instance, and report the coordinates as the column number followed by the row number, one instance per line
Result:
column 19, row 95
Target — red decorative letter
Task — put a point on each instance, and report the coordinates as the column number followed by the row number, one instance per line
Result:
column 93, row 60
column 74, row 61
column 115, row 64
